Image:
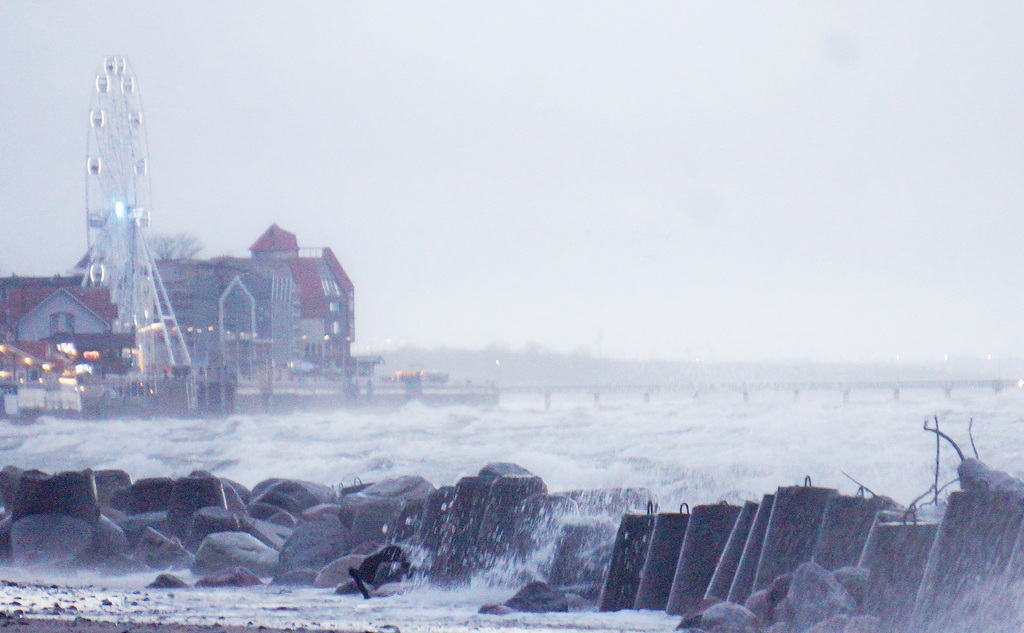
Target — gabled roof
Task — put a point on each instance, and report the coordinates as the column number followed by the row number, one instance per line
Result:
column 21, row 295
column 275, row 239
column 94, row 300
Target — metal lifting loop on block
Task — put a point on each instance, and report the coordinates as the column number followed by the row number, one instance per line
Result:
column 807, row 481
column 861, row 492
column 684, row 505
column 650, row 507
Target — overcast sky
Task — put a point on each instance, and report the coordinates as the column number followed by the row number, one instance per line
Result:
column 730, row 181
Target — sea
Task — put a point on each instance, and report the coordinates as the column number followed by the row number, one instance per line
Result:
column 684, row 448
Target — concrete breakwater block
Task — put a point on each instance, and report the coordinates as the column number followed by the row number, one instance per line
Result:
column 706, row 534
column 631, row 544
column 792, row 531
column 70, row 494
column 895, row 555
column 660, row 563
column 583, row 554
column 845, row 528
column 974, row 544
column 453, row 528
column 729, row 562
column 743, row 580
column 502, row 517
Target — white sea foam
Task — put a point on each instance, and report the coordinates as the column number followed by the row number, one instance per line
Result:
column 704, row 449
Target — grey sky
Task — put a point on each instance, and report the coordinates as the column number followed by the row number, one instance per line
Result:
column 829, row 181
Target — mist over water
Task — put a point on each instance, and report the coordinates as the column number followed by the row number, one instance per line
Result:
column 684, row 448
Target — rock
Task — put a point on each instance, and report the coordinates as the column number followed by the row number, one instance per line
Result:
column 144, row 496
column 724, row 617
column 241, row 491
column 108, row 542
column 388, row 565
column 975, row 475
column 313, row 544
column 348, row 588
column 854, row 580
column 538, row 597
column 135, row 525
column 260, row 510
column 495, row 609
column 321, row 510
column 72, row 494
column 109, row 481
column 167, row 581
column 336, row 572
column 235, row 503
column 759, row 604
column 283, row 518
column 49, row 539
column 231, row 577
column 160, row 552
column 406, row 489
column 815, row 595
column 270, row 534
column 225, row 550
column 295, row 578
column 294, row 496
column 188, row 495
column 208, row 520
column 496, row 470
column 369, row 519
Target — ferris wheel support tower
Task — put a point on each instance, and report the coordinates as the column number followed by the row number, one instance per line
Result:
column 117, row 210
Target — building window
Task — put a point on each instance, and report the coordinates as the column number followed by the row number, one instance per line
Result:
column 62, row 323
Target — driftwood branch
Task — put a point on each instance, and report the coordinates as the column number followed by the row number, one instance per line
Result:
column 939, row 434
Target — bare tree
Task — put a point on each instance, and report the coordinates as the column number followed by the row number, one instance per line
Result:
column 177, row 246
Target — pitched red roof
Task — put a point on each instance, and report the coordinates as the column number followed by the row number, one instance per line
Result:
column 313, row 302
column 275, row 239
column 339, row 272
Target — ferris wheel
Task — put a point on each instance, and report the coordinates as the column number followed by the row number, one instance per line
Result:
column 117, row 210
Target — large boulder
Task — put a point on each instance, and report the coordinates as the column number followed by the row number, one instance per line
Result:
column 369, row 519
column 134, row 525
column 232, row 577
column 152, row 494
column 814, row 596
column 975, row 475
column 293, row 495
column 314, row 544
column 407, row 488
column 49, row 539
column 496, row 470
column 188, row 495
column 225, row 550
column 159, row 552
column 724, row 617
column 538, row 597
column 206, row 521
column 336, row 572
column 270, row 534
